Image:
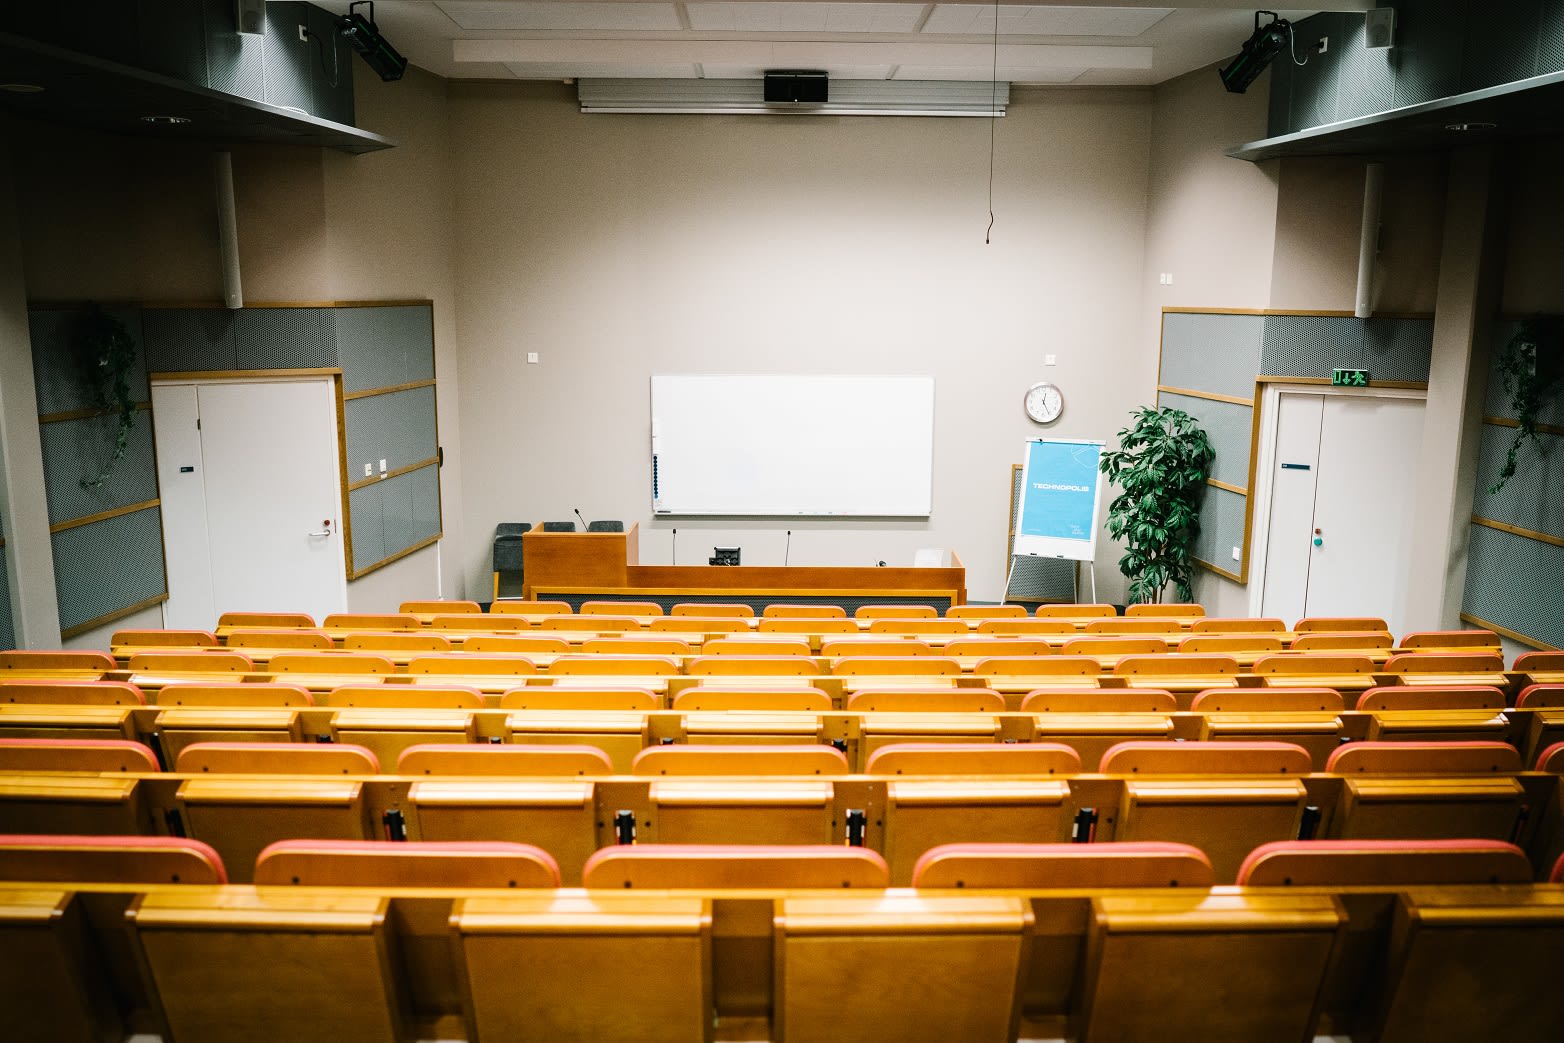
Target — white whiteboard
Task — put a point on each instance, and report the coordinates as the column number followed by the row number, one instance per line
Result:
column 1061, row 499
column 754, row 444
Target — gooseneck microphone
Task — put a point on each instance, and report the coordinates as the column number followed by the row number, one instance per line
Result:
column 674, row 554
column 583, row 520
column 787, row 549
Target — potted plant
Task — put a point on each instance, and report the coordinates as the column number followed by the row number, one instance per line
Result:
column 1532, row 367
column 1161, row 466
column 106, row 354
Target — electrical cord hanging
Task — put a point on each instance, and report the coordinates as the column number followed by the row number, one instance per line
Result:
column 320, row 46
column 993, row 104
column 1292, row 47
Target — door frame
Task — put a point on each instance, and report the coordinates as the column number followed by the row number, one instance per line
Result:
column 1265, row 463
column 333, row 379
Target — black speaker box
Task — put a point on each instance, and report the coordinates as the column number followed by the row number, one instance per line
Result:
column 797, row 85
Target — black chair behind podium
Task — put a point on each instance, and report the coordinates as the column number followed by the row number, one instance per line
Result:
column 559, row 526
column 606, row 525
column 508, row 577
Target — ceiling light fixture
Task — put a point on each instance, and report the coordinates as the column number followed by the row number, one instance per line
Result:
column 1263, row 45
column 21, row 88
column 1461, row 128
column 165, row 121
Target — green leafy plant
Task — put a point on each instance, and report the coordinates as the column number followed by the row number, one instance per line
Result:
column 1532, row 367
column 106, row 354
column 1161, row 466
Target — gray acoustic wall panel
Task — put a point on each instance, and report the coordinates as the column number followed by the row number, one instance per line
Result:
column 398, row 428
column 1230, row 428
column 1041, row 579
column 1365, row 77
column 1219, row 354
column 1497, row 402
column 7, row 630
column 78, row 449
column 1313, row 345
column 1532, row 499
column 173, row 38
column 234, row 60
column 1429, row 37
column 58, row 368
column 108, row 565
column 1550, row 39
column 190, row 340
column 288, row 59
column 410, row 506
column 385, row 347
column 285, row 338
column 1514, row 582
column 1501, row 43
column 367, row 518
column 1221, row 528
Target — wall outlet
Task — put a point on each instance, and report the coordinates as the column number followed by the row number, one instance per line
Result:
column 369, row 470
column 1050, row 360
column 532, row 358
column 1238, row 554
column 304, row 33
column 1166, row 278
column 382, row 467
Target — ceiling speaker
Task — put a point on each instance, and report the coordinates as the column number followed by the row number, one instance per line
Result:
column 1379, row 27
column 797, row 86
column 251, row 15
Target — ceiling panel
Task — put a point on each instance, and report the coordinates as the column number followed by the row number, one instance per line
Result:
column 722, row 71
column 605, row 70
column 1045, row 21
column 805, row 17
column 561, row 17
column 1006, row 73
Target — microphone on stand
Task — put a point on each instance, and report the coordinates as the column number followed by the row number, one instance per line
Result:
column 583, row 520
column 674, row 554
column 788, row 549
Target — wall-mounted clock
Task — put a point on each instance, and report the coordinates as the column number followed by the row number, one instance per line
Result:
column 1044, row 402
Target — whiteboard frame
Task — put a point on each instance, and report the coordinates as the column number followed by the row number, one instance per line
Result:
column 858, row 426
column 1037, row 544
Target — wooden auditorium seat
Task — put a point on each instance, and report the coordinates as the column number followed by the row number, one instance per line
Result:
column 620, row 608
column 807, row 625
column 602, row 697
column 1226, row 643
column 439, row 608
column 986, row 612
column 1428, row 790
column 918, row 626
column 1133, row 626
column 992, row 645
column 622, row 666
column 556, row 813
column 1447, row 668
column 1237, row 625
column 1343, row 672
column 356, row 641
column 267, row 693
column 376, row 863
column 1093, row 721
column 163, row 639
column 1235, row 796
column 387, row 719
column 713, row 609
column 1107, row 648
column 935, row 758
column 673, row 866
column 297, row 639
column 153, row 668
column 71, row 693
column 1450, row 713
column 1342, row 641
column 1341, row 624
column 783, row 611
column 54, row 665
column 1171, row 610
column 752, row 666
column 801, row 759
column 920, row 700
column 541, row 609
column 896, row 612
column 695, row 804
column 266, row 620
column 756, row 645
column 370, row 621
column 503, row 760
column 1147, row 863
column 1067, row 611
column 109, row 859
column 1178, row 671
column 709, row 698
column 1426, row 640
column 1551, row 758
column 86, row 755
column 469, row 664
column 466, row 623
column 1393, row 863
column 675, row 646
column 1307, row 717
column 1099, row 700
column 1029, row 627
column 699, row 625
column 515, row 644
column 74, row 709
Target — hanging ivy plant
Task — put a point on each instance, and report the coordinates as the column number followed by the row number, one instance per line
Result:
column 106, row 354
column 1161, row 466
column 1532, row 367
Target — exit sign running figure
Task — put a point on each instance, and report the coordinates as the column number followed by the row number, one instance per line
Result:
column 1349, row 378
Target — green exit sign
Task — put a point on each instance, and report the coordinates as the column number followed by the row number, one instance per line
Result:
column 1349, row 378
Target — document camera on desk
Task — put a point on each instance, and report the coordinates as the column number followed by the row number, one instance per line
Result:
column 724, row 556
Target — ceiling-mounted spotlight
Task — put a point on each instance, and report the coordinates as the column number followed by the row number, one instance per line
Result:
column 364, row 36
column 1265, row 44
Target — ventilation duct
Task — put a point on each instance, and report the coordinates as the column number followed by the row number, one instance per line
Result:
column 747, row 97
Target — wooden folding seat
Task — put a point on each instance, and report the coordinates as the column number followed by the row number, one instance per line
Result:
column 892, row 666
column 621, row 666
column 1340, row 624
column 1066, row 611
column 993, row 645
column 886, row 727
column 1035, row 866
column 154, row 668
column 620, row 733
column 439, row 608
column 553, row 967
column 1394, row 863
column 710, row 698
column 1169, row 610
column 1551, row 758
column 239, row 814
column 329, row 664
column 713, row 609
column 482, row 624
column 947, row 951
column 231, row 966
column 1428, row 790
column 393, row 643
column 698, row 625
column 370, row 621
column 297, row 639
column 1546, row 727
column 665, row 867
column 503, row 760
column 806, row 625
column 1178, row 671
column 178, row 726
column 265, row 620
column 381, row 721
column 1344, row 641
column 71, row 693
column 1447, row 668
column 918, row 626
column 752, row 666
column 896, row 612
column 1051, row 672
column 376, row 863
column 1237, row 625
column 1307, row 717
column 1541, row 697
column 541, row 609
column 1345, row 673
column 752, row 727
column 673, row 646
column 1107, row 649
column 782, row 611
column 986, row 612
column 1134, row 625
column 1092, row 730
column 1232, row 644
column 836, row 648
column 83, row 755
column 404, row 697
column 37, row 802
column 1541, row 667
column 38, row 709
column 1026, row 627
column 109, row 859
column 766, row 646
column 470, row 667
column 934, row 758
column 163, row 639
column 55, row 665
column 269, row 693
column 923, row 700
column 1435, row 713
column 1238, row 795
column 620, row 608
column 1099, row 700
column 594, row 624
column 558, row 814
column 796, row 807
column 515, row 644
column 598, row 697
column 1444, row 640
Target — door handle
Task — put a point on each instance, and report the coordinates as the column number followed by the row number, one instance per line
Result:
column 325, row 530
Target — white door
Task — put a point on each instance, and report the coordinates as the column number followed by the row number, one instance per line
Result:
column 1340, row 506
column 271, row 493
column 182, row 488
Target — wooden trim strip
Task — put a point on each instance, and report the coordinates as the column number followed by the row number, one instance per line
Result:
column 1180, row 310
column 1229, row 486
column 245, row 374
column 214, row 305
column 1511, row 422
column 1516, row 530
column 1530, row 642
column 120, row 613
column 398, row 556
column 399, row 472
column 1219, row 571
column 118, row 512
column 543, row 590
column 87, row 414
column 411, row 385
column 1402, row 385
column 1210, row 396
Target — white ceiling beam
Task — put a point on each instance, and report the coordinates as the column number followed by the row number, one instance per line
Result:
column 806, row 54
column 1177, row 5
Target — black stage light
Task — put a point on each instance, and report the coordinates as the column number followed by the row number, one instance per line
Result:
column 1267, row 42
column 364, row 36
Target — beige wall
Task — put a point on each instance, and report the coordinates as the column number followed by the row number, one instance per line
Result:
column 622, row 246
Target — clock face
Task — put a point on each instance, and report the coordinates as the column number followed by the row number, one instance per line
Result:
column 1044, row 403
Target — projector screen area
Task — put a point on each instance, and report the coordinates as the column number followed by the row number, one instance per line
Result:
column 790, row 445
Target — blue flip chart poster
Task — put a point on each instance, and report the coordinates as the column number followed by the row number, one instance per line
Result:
column 1060, row 502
